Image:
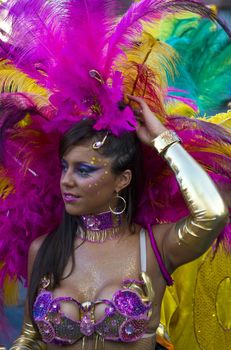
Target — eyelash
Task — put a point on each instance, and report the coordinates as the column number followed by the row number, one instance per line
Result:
column 63, row 167
column 81, row 171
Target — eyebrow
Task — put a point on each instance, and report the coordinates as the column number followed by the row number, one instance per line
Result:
column 82, row 163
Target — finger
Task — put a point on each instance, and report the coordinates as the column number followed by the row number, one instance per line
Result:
column 139, row 100
column 137, row 112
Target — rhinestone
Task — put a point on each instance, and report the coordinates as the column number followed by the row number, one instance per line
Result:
column 86, row 326
column 109, row 311
column 129, row 329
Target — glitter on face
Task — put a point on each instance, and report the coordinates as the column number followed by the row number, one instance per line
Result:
column 81, row 181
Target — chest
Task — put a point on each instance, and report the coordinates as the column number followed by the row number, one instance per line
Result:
column 100, row 269
column 96, row 302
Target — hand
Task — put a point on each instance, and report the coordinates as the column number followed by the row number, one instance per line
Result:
column 149, row 126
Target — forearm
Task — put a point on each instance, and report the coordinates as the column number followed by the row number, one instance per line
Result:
column 28, row 340
column 208, row 213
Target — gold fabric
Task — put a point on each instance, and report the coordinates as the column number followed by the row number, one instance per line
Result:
column 164, row 140
column 196, row 310
column 28, row 340
column 208, row 211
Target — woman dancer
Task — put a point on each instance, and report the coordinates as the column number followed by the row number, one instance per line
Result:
column 81, row 294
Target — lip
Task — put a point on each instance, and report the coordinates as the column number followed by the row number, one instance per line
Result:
column 69, row 197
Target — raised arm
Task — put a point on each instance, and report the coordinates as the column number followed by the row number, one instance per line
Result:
column 190, row 237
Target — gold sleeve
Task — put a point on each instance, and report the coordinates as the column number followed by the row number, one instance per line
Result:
column 28, row 340
column 209, row 214
column 208, row 211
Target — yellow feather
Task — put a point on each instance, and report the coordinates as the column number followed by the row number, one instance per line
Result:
column 181, row 109
column 223, row 119
column 6, row 186
column 25, row 121
column 10, row 291
column 157, row 60
column 13, row 80
column 159, row 57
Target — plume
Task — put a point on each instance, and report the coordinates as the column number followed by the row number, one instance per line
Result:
column 204, row 70
column 148, row 11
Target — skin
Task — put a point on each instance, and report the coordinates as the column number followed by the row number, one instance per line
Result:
column 87, row 175
column 98, row 272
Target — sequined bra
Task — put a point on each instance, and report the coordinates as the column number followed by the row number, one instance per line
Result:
column 126, row 315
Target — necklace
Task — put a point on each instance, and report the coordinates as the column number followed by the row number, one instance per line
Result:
column 100, row 227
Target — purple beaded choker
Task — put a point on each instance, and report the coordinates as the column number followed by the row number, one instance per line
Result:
column 100, row 227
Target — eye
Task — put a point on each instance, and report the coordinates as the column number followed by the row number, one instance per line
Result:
column 64, row 166
column 85, row 170
column 82, row 171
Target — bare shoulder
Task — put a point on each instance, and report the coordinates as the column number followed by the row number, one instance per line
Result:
column 33, row 250
column 35, row 245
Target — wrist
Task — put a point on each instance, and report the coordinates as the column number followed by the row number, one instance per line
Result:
column 158, row 131
column 164, row 140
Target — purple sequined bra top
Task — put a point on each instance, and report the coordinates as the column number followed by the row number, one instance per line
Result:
column 126, row 315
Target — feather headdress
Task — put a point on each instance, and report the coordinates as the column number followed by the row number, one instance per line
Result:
column 67, row 60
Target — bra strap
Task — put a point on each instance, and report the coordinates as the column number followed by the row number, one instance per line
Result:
column 143, row 251
column 159, row 258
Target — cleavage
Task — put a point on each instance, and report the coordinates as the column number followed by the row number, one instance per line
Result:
column 71, row 309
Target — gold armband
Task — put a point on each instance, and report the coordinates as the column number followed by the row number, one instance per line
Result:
column 208, row 213
column 165, row 140
column 28, row 340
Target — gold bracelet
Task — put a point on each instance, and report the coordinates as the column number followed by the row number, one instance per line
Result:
column 28, row 340
column 165, row 140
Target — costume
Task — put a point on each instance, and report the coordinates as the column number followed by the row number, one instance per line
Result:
column 40, row 100
column 118, row 323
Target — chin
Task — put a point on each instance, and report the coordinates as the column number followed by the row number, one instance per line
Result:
column 78, row 210
column 71, row 210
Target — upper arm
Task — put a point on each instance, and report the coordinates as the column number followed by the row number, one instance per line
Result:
column 33, row 250
column 178, row 253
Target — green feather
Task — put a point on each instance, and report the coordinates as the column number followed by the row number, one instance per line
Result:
column 205, row 62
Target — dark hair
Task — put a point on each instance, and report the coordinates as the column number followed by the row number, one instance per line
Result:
column 58, row 247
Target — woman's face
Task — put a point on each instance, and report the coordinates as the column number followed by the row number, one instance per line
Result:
column 87, row 182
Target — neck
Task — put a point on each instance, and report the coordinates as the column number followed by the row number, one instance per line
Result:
column 101, row 227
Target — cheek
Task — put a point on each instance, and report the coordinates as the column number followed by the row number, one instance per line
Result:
column 99, row 186
column 88, row 185
column 93, row 184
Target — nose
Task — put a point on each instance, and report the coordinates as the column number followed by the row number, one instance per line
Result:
column 67, row 179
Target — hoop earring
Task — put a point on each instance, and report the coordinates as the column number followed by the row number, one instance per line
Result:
column 119, row 212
